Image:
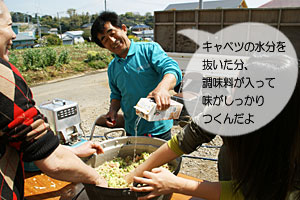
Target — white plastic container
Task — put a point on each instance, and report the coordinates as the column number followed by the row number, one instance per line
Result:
column 147, row 109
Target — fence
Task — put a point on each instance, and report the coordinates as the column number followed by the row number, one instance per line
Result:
column 168, row 23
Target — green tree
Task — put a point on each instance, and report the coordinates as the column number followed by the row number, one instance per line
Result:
column 71, row 12
column 52, row 40
column 131, row 19
column 48, row 21
column 18, row 17
column 129, row 15
column 86, row 34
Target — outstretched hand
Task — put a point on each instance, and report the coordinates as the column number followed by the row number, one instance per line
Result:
column 136, row 172
column 129, row 177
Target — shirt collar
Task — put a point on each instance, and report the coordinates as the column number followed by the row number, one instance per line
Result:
column 131, row 51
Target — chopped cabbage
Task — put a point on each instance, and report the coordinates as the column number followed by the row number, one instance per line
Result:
column 115, row 170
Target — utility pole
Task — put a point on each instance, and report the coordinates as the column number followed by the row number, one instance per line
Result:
column 28, row 19
column 59, row 25
column 105, row 5
column 38, row 24
column 200, row 4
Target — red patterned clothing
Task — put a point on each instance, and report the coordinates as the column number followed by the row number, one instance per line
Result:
column 24, row 135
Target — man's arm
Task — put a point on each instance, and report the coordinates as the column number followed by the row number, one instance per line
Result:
column 115, row 105
column 62, row 164
column 168, row 68
column 161, row 92
column 111, row 116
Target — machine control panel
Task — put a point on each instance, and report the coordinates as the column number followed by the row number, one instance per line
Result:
column 65, row 113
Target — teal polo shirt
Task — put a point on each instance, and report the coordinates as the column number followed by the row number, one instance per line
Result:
column 135, row 77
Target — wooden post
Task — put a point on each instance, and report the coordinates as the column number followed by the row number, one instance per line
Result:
column 197, row 24
column 154, row 31
column 200, row 4
column 174, row 31
column 279, row 18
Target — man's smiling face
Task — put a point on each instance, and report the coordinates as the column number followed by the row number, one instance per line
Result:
column 115, row 39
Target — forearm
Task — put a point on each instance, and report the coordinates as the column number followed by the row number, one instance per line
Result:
column 201, row 189
column 161, row 181
column 64, row 165
column 70, row 149
column 191, row 137
column 168, row 82
column 161, row 156
column 115, row 105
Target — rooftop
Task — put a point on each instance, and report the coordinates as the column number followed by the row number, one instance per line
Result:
column 206, row 5
column 141, row 26
column 74, row 32
column 281, row 4
column 23, row 37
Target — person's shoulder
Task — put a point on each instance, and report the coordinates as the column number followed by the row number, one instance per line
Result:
column 5, row 63
column 146, row 44
column 112, row 62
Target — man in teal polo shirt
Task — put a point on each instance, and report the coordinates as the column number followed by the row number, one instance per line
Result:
column 138, row 70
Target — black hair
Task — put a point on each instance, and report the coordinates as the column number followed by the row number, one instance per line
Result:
column 266, row 163
column 98, row 25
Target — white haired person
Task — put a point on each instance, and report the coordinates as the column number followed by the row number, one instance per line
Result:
column 24, row 135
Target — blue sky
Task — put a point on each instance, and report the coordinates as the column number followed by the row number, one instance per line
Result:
column 51, row 7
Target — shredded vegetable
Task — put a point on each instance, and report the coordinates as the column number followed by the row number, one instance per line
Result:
column 115, row 170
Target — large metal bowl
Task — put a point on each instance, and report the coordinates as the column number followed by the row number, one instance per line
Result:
column 124, row 146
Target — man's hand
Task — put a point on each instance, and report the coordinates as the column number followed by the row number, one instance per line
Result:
column 162, row 98
column 111, row 117
column 161, row 92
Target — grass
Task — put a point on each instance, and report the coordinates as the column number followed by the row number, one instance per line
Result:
column 78, row 55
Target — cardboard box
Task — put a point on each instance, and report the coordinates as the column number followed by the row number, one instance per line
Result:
column 146, row 108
